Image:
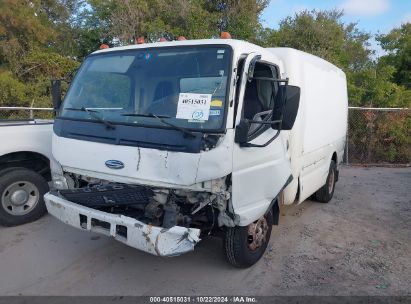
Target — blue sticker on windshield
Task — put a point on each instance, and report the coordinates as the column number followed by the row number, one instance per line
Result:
column 198, row 114
column 215, row 112
column 147, row 56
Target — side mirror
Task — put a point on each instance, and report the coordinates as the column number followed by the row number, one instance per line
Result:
column 56, row 93
column 291, row 107
column 241, row 131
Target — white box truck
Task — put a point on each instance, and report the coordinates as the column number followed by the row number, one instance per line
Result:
column 162, row 144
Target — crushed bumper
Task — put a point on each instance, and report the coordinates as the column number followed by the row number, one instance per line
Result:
column 155, row 240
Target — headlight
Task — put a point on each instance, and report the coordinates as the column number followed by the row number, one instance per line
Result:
column 59, row 182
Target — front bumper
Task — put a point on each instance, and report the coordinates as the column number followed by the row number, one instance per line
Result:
column 155, row 240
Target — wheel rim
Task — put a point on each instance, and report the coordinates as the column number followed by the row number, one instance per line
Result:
column 257, row 234
column 331, row 181
column 20, row 198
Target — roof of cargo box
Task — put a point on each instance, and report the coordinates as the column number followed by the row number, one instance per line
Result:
column 291, row 54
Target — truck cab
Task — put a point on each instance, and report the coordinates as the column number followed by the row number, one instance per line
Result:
column 162, row 144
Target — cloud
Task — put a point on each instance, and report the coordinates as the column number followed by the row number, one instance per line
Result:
column 365, row 7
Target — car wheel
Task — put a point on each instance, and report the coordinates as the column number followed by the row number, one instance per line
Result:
column 21, row 196
column 244, row 246
column 325, row 194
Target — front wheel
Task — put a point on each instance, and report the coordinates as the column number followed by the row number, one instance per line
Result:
column 21, row 196
column 244, row 246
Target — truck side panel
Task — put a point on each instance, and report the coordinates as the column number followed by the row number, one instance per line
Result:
column 321, row 124
column 27, row 137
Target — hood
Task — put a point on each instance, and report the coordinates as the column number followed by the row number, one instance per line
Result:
column 140, row 165
column 143, row 165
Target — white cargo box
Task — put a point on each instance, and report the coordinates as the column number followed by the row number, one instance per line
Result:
column 321, row 124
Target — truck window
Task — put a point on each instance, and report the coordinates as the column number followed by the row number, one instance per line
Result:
column 259, row 96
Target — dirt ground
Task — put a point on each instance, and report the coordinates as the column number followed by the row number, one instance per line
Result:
column 358, row 244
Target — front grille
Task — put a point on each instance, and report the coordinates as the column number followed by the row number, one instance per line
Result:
column 108, row 195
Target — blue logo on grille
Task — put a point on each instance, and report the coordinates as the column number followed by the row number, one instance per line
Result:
column 114, row 164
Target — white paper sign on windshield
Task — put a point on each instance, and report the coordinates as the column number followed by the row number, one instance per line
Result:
column 193, row 106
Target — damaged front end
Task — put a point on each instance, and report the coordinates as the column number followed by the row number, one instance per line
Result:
column 160, row 221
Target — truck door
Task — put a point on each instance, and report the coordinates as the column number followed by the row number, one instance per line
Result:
column 259, row 173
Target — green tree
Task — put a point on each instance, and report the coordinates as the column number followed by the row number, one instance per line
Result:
column 126, row 20
column 374, row 87
column 241, row 18
column 23, row 26
column 12, row 91
column 32, row 49
column 322, row 33
column 397, row 43
column 90, row 25
column 370, row 82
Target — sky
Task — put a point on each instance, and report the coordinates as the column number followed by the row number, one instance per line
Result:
column 372, row 16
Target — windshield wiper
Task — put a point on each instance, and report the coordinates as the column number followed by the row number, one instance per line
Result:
column 144, row 115
column 93, row 113
column 160, row 118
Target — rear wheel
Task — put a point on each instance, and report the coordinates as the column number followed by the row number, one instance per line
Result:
column 244, row 246
column 21, row 196
column 325, row 194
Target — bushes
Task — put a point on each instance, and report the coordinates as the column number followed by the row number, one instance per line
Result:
column 12, row 91
column 376, row 136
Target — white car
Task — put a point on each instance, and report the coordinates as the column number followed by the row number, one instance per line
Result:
column 25, row 156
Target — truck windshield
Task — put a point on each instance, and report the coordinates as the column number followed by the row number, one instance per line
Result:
column 186, row 86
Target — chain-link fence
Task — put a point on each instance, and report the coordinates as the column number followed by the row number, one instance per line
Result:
column 378, row 135
column 25, row 113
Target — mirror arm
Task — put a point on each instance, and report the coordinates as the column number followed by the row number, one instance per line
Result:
column 271, row 79
column 264, row 122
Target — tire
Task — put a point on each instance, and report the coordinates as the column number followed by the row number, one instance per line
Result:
column 21, row 196
column 240, row 250
column 325, row 194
